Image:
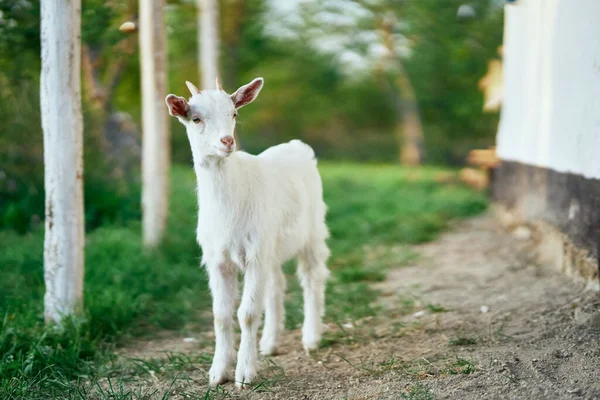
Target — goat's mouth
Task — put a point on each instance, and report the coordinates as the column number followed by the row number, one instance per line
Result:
column 224, row 151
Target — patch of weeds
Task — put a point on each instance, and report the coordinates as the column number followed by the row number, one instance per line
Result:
column 118, row 391
column 398, row 328
column 263, row 386
column 436, row 308
column 406, row 257
column 407, row 305
column 330, row 339
column 462, row 366
column 392, row 365
column 383, row 256
column 181, row 361
column 358, row 274
column 359, row 366
column 462, row 341
column 511, row 378
column 172, row 363
column 421, row 368
column 214, row 393
column 352, row 301
column 344, row 301
column 373, row 368
column 418, row 391
column 342, row 336
column 270, row 377
column 500, row 335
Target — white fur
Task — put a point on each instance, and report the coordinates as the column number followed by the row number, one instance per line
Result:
column 255, row 213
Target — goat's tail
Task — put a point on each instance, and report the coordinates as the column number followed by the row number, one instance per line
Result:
column 303, row 149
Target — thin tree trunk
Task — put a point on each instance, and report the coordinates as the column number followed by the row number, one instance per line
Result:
column 208, row 41
column 410, row 134
column 62, row 123
column 155, row 145
column 409, row 129
column 232, row 25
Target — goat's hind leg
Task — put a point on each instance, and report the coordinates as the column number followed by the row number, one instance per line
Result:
column 274, row 312
column 313, row 273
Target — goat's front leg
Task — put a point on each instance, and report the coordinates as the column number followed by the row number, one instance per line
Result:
column 223, row 286
column 249, row 316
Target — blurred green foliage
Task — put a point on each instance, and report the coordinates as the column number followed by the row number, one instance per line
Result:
column 307, row 95
column 448, row 59
column 108, row 196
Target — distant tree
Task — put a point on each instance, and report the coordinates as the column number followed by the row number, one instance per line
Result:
column 155, row 142
column 109, row 195
column 365, row 39
column 440, row 56
column 408, row 128
column 449, row 57
column 232, row 16
column 208, row 41
column 106, row 52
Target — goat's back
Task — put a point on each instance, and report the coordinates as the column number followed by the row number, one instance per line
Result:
column 297, row 192
column 294, row 151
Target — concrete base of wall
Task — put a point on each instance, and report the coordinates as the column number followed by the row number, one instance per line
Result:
column 561, row 209
column 553, row 247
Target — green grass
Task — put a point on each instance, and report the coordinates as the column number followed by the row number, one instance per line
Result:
column 436, row 308
column 131, row 293
column 418, row 391
column 462, row 366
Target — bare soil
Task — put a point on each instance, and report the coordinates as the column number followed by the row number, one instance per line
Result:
column 473, row 318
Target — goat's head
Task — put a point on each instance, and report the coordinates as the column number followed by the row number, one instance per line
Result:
column 209, row 116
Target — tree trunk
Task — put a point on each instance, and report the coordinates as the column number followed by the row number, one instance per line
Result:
column 208, row 41
column 62, row 123
column 409, row 129
column 155, row 145
column 410, row 134
column 232, row 25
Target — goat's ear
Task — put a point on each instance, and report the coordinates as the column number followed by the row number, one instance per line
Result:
column 178, row 106
column 247, row 93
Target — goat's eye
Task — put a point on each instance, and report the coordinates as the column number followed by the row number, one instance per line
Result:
column 235, row 114
column 196, row 120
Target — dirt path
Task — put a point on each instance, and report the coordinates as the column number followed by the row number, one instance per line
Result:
column 474, row 318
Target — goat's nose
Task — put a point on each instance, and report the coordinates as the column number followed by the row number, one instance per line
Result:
column 227, row 141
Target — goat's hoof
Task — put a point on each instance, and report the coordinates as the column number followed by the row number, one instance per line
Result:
column 311, row 345
column 268, row 350
column 243, row 385
column 244, row 380
column 309, row 350
column 218, row 378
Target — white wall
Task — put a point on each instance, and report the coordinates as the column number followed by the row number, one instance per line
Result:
column 551, row 108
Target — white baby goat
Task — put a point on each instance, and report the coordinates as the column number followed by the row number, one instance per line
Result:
column 255, row 213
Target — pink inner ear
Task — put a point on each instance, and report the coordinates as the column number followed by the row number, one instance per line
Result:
column 178, row 106
column 247, row 94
